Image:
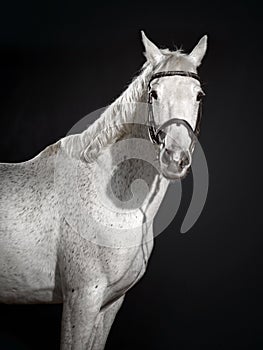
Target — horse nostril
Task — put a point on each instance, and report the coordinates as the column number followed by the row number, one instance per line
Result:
column 184, row 162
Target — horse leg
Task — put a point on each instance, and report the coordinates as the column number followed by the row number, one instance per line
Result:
column 80, row 312
column 103, row 324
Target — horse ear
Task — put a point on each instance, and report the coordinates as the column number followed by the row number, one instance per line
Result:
column 152, row 52
column 199, row 50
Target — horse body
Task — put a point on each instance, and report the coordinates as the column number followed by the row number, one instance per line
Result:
column 73, row 228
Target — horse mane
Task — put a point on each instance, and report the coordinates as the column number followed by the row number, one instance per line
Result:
column 115, row 121
column 112, row 123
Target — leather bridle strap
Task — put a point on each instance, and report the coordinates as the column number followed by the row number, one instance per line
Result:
column 171, row 73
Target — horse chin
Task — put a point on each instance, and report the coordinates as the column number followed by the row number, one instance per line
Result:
column 172, row 176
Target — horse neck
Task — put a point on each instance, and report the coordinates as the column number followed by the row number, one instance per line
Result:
column 99, row 140
column 131, row 158
column 115, row 121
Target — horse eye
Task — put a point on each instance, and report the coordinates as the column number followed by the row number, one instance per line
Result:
column 200, row 95
column 154, row 94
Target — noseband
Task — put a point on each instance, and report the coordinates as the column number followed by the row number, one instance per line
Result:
column 154, row 131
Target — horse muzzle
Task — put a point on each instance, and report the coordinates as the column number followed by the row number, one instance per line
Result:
column 175, row 164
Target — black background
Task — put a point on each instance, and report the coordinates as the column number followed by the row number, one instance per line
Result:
column 62, row 60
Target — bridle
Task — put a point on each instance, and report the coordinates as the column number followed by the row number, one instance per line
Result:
column 153, row 130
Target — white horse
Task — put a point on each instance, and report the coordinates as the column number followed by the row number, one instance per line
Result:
column 65, row 234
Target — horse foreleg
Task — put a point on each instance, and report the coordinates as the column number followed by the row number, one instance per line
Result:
column 80, row 313
column 103, row 324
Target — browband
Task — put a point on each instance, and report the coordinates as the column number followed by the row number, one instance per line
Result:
column 171, row 73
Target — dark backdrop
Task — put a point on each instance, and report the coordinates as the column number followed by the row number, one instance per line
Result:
column 61, row 60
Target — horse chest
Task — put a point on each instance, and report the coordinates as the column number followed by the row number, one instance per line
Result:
column 126, row 269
